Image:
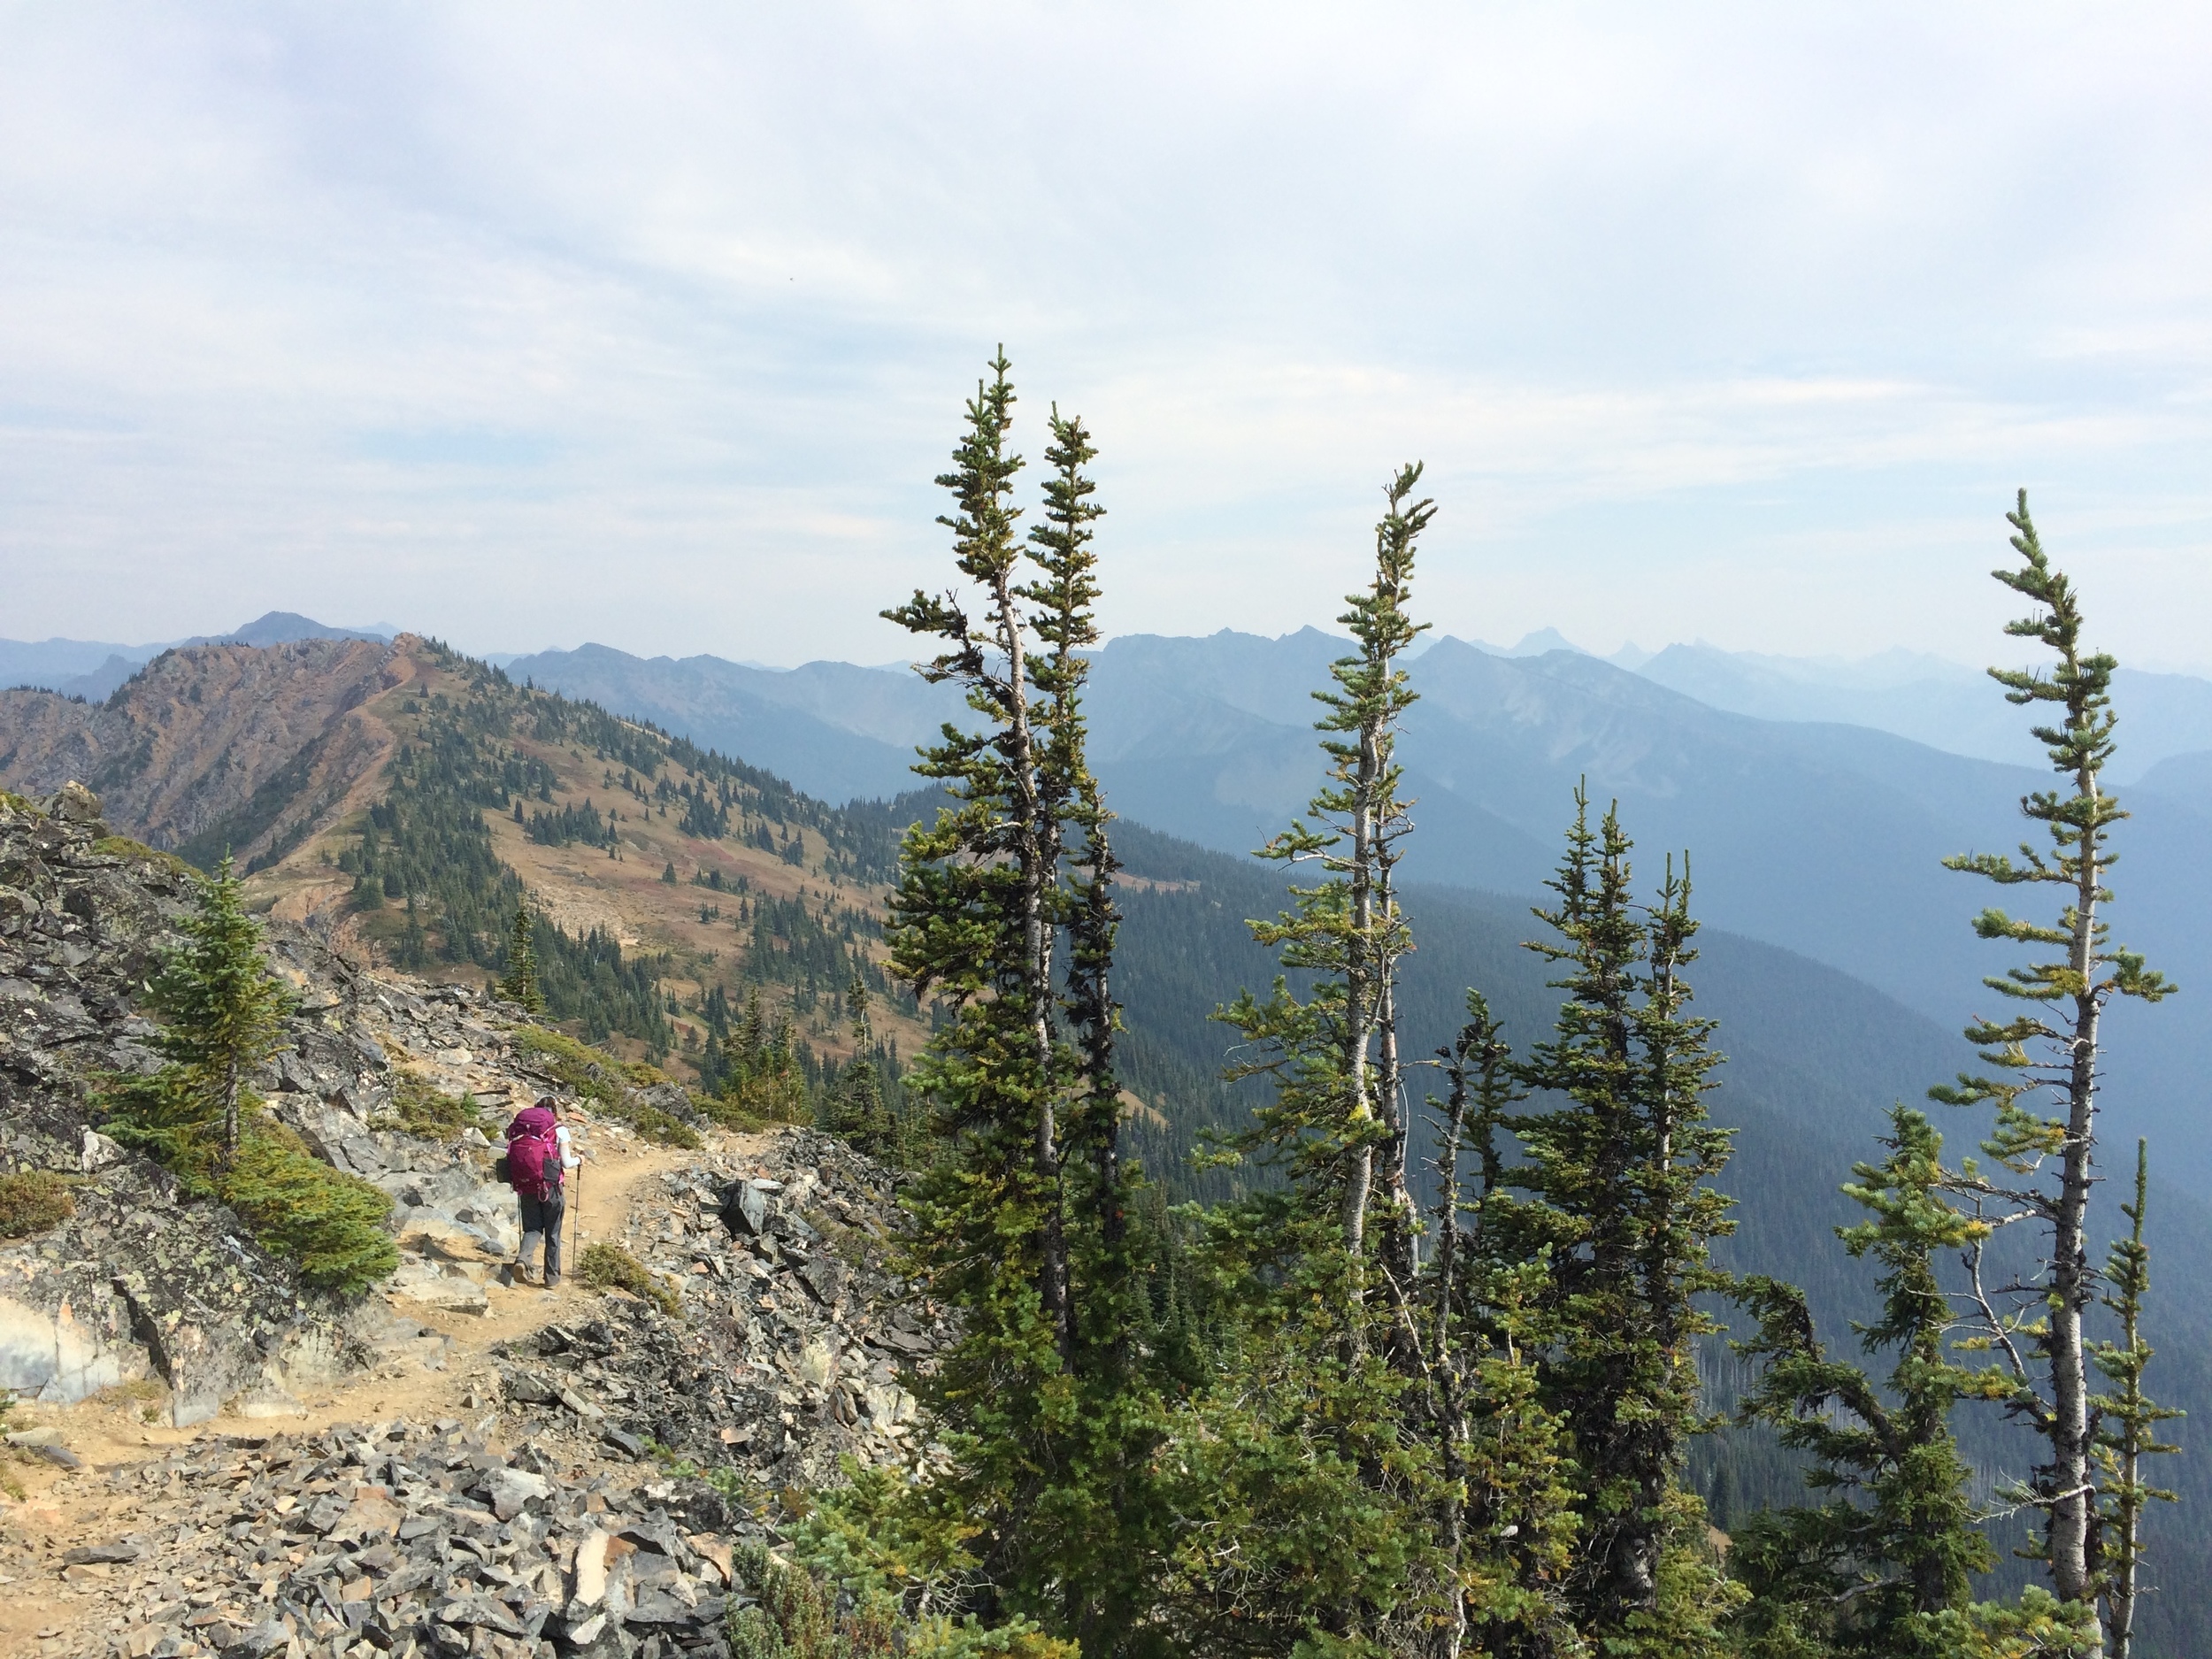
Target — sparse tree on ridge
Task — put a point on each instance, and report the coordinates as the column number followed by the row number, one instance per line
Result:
column 1333, row 1056
column 2045, row 1165
column 1019, row 1221
column 223, row 1011
column 1308, row 1474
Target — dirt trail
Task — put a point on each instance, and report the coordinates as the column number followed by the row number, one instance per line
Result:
column 62, row 1509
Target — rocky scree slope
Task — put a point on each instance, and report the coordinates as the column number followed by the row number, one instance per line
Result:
column 792, row 1341
column 138, row 1284
column 134, row 1283
column 401, row 1540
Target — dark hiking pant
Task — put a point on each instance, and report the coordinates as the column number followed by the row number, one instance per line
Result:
column 542, row 1221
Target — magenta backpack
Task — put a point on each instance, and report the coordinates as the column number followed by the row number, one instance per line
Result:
column 534, row 1153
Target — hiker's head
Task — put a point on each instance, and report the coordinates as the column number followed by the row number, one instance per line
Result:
column 546, row 1102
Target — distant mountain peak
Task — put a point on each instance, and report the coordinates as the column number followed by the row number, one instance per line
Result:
column 1533, row 644
column 287, row 627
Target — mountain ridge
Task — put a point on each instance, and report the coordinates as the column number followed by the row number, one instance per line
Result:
column 1815, row 1054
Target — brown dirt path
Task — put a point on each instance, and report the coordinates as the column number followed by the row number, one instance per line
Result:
column 40, row 1613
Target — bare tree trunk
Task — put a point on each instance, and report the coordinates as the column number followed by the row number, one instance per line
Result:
column 1451, row 1412
column 2073, row 1569
column 1401, row 1235
column 1359, row 1008
column 230, row 1109
column 1039, row 856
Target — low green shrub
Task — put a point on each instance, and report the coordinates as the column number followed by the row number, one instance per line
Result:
column 795, row 1617
column 329, row 1223
column 124, row 846
column 803, row 1613
column 34, row 1201
column 420, row 1107
column 610, row 1267
column 658, row 1127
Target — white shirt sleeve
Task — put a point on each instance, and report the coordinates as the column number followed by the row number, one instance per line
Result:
column 569, row 1159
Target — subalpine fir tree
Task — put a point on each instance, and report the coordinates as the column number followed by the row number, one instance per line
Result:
column 1505, row 1507
column 519, row 984
column 222, row 1010
column 1881, row 1568
column 2045, row 1164
column 2129, row 1419
column 1331, row 1056
column 1307, row 1482
column 1008, row 1233
column 1618, row 1173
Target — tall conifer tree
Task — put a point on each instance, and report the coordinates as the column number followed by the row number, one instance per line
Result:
column 1333, row 1056
column 1307, row 1499
column 2046, row 1164
column 1874, row 1568
column 1049, row 1420
column 1618, row 1170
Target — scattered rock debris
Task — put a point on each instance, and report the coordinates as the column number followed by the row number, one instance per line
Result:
column 798, row 1342
column 400, row 1541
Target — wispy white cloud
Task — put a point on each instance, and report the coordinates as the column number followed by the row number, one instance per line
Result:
column 534, row 323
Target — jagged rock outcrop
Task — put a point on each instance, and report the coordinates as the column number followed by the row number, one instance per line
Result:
column 133, row 1283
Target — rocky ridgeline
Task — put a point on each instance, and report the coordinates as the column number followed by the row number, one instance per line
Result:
column 134, row 1283
column 795, row 1334
column 400, row 1541
column 136, row 1286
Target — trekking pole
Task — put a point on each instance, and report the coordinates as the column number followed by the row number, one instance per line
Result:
column 576, row 1233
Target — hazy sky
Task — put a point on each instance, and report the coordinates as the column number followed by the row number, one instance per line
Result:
column 530, row 323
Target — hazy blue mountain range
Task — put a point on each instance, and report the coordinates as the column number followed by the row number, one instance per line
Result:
column 1823, row 839
column 1932, row 700
column 840, row 733
column 92, row 669
column 1943, row 705
column 1836, row 957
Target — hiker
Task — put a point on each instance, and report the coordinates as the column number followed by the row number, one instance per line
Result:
column 538, row 1159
